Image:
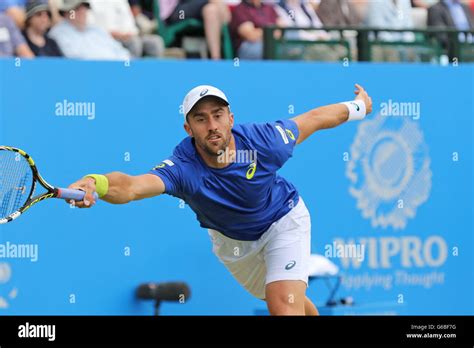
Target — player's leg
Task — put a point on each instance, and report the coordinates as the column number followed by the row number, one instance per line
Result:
column 244, row 260
column 286, row 297
column 275, row 266
column 286, row 255
column 309, row 307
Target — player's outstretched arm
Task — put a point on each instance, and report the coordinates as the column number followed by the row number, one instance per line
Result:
column 121, row 188
column 330, row 116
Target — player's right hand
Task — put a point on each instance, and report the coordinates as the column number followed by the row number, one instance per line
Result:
column 364, row 96
column 88, row 186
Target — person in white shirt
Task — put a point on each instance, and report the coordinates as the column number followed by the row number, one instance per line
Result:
column 295, row 13
column 298, row 13
column 79, row 40
column 116, row 17
column 392, row 14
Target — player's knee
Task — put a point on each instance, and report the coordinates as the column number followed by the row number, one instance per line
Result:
column 282, row 301
column 285, row 306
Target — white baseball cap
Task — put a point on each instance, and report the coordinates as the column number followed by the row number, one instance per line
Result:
column 199, row 92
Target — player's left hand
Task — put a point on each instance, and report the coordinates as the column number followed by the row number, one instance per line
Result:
column 362, row 95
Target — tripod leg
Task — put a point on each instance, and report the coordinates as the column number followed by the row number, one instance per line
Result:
column 157, row 308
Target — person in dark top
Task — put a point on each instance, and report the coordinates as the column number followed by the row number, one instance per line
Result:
column 451, row 14
column 248, row 20
column 12, row 43
column 38, row 22
column 213, row 14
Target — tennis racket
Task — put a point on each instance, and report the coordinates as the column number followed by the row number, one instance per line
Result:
column 18, row 180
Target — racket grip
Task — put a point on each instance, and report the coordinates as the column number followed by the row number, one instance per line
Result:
column 75, row 195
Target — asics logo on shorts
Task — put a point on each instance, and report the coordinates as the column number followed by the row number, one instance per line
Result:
column 290, row 265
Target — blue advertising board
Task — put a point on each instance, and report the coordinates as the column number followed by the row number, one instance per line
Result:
column 391, row 197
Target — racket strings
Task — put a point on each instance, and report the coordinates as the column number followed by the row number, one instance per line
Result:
column 16, row 179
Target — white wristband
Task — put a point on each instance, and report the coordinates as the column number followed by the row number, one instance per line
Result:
column 356, row 108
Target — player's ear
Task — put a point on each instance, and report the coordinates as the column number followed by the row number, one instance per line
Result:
column 231, row 118
column 188, row 129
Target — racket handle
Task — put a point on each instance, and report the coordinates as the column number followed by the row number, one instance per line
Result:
column 75, row 195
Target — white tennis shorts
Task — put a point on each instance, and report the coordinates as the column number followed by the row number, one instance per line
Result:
column 281, row 253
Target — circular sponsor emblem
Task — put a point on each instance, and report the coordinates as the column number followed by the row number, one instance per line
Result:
column 389, row 170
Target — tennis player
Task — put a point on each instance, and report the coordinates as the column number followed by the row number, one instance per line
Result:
column 227, row 173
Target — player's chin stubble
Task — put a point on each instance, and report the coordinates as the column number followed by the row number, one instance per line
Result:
column 212, row 151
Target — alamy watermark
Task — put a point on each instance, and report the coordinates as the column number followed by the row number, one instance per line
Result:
column 28, row 330
column 68, row 108
column 237, row 156
column 339, row 250
column 19, row 251
column 401, row 109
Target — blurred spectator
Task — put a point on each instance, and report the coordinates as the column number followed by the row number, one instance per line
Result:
column 295, row 13
column 115, row 16
column 248, row 20
column 144, row 19
column 450, row 14
column 391, row 14
column 213, row 13
column 423, row 3
column 38, row 22
column 16, row 10
column 53, row 7
column 360, row 8
column 338, row 13
column 12, row 43
column 77, row 39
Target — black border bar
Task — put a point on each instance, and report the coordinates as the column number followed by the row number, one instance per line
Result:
column 224, row 330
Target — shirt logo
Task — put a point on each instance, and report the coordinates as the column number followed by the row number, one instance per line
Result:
column 164, row 163
column 290, row 265
column 290, row 134
column 283, row 134
column 251, row 170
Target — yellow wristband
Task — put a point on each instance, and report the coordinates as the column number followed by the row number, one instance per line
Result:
column 101, row 184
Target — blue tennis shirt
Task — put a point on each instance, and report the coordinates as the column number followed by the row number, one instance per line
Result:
column 243, row 199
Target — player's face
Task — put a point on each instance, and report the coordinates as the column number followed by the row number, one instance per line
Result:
column 210, row 123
